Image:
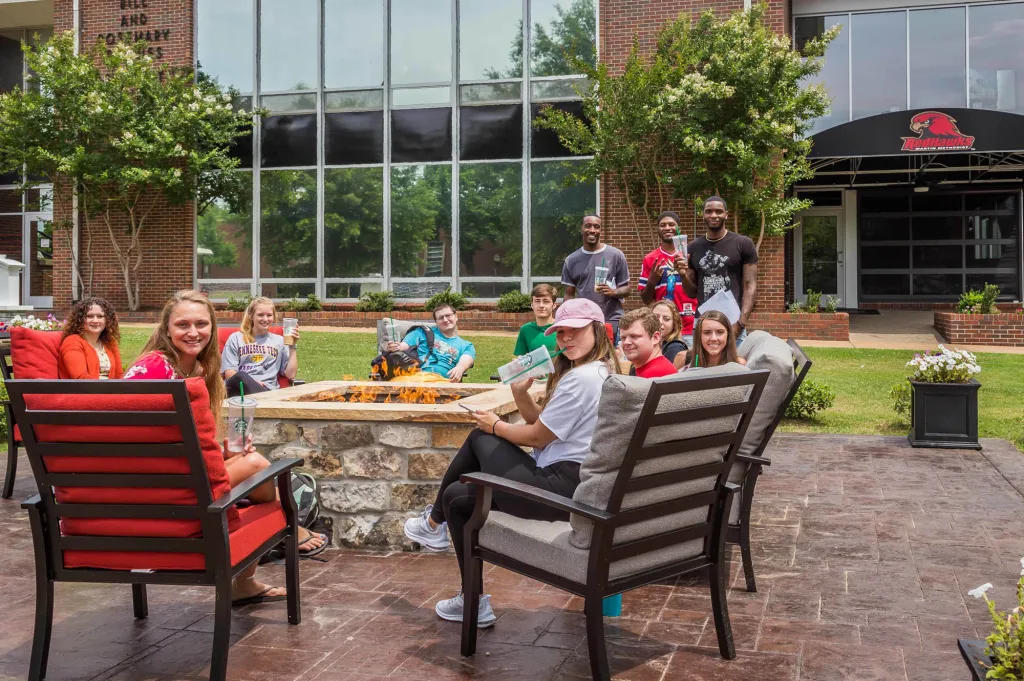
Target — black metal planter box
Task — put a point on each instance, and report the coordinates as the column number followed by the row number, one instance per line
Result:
column 944, row 415
column 973, row 651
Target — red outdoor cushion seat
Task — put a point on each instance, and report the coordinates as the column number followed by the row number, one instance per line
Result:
column 17, row 433
column 224, row 332
column 34, row 353
column 213, row 460
column 257, row 523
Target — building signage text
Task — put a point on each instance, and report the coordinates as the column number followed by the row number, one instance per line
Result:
column 135, row 25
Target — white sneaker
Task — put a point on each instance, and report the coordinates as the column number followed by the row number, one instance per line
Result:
column 452, row 609
column 418, row 530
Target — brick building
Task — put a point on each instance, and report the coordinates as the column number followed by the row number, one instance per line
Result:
column 399, row 154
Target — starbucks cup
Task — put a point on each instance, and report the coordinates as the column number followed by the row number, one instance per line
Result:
column 600, row 276
column 241, row 411
column 533, row 365
column 679, row 243
column 289, row 324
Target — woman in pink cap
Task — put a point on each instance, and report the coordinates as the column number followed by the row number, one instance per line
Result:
column 559, row 430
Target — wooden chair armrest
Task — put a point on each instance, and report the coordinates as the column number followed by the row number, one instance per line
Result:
column 35, row 502
column 539, row 495
column 754, row 460
column 248, row 485
column 731, row 488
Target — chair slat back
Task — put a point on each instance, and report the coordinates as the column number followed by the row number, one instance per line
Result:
column 80, row 458
column 675, row 468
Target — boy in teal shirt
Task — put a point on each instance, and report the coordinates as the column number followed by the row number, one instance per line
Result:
column 531, row 336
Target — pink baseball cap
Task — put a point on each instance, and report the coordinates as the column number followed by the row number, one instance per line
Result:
column 576, row 314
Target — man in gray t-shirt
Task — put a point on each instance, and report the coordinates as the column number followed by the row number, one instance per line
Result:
column 578, row 272
column 263, row 360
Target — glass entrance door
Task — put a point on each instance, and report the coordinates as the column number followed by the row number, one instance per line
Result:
column 820, row 265
column 38, row 258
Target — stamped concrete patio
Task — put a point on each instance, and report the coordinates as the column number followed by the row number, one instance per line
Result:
column 865, row 550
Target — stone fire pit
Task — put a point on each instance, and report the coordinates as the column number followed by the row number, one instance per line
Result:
column 376, row 461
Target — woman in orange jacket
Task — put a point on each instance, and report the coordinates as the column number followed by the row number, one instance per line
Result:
column 88, row 348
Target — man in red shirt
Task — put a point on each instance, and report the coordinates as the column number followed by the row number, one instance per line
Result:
column 640, row 335
column 659, row 279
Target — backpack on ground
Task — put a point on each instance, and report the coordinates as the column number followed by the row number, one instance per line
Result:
column 306, row 493
column 391, row 364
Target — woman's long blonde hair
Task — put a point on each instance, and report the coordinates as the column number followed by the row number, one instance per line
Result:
column 247, row 318
column 729, row 353
column 209, row 358
column 603, row 351
column 677, row 325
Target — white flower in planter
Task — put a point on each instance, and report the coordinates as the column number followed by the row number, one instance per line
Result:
column 979, row 592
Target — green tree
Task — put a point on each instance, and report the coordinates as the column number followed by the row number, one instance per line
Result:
column 212, row 224
column 721, row 106
column 124, row 135
column 572, row 33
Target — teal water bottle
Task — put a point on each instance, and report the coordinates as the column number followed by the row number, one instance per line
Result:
column 612, row 606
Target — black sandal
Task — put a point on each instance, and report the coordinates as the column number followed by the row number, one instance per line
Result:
column 261, row 597
column 316, row 551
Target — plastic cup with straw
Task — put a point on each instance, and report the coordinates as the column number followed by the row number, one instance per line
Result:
column 532, row 365
column 241, row 411
column 600, row 275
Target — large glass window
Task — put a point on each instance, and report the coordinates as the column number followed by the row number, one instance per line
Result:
column 12, row 67
column 490, row 39
column 835, row 72
column 421, row 41
column 353, row 43
column 997, row 57
column 354, row 222
column 556, row 214
column 948, row 244
column 224, row 243
column 491, row 220
column 421, row 221
column 398, row 153
column 288, row 45
column 879, row 63
column 226, row 42
column 561, row 26
column 938, row 57
column 287, row 223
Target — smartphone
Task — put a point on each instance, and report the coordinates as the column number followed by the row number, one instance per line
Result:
column 469, row 409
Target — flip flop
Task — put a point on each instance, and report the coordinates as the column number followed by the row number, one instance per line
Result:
column 318, row 550
column 261, row 597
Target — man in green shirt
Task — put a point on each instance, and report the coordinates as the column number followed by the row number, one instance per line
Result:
column 531, row 336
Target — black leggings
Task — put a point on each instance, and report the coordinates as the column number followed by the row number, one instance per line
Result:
column 241, row 378
column 486, row 453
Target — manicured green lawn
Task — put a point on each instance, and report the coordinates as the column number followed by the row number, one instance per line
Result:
column 860, row 378
column 326, row 355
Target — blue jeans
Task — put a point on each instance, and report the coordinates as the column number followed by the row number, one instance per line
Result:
column 741, row 337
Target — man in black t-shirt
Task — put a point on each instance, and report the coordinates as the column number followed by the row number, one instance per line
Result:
column 721, row 260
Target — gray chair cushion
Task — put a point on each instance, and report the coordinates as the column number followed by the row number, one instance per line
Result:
column 763, row 351
column 622, row 399
column 400, row 326
column 545, row 545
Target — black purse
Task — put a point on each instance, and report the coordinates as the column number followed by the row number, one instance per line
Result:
column 402, row 362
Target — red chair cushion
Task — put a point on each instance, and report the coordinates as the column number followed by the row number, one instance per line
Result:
column 256, row 525
column 213, row 459
column 34, row 353
column 224, row 332
column 17, row 433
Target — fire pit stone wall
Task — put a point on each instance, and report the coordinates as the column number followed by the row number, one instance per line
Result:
column 373, row 471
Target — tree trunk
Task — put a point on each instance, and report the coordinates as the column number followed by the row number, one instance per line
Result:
column 760, row 237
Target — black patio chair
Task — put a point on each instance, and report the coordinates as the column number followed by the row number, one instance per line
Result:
column 211, row 555
column 662, row 479
column 13, row 441
column 748, row 468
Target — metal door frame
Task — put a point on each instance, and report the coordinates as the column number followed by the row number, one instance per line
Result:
column 29, row 258
column 839, row 212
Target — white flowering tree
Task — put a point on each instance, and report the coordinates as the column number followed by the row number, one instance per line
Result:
column 720, row 106
column 128, row 137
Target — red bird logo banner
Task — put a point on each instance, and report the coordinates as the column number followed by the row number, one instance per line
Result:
column 936, row 131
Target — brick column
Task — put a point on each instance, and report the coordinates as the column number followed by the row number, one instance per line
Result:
column 620, row 20
column 168, row 237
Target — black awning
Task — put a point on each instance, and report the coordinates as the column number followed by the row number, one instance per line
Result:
column 925, row 131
